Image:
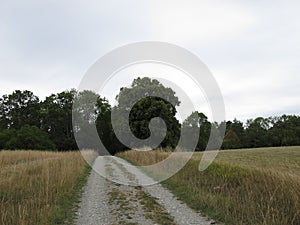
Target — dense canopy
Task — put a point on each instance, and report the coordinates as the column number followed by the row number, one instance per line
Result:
column 26, row 122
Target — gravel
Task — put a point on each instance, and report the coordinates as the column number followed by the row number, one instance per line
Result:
column 94, row 206
column 107, row 202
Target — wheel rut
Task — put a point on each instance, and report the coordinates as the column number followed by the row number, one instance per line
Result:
column 106, row 201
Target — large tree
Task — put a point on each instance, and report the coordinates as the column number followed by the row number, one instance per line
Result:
column 91, row 121
column 56, row 114
column 144, row 100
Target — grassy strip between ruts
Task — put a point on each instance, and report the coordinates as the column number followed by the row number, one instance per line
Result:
column 124, row 199
column 44, row 188
column 233, row 194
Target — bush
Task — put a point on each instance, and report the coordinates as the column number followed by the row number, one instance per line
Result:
column 5, row 136
column 28, row 137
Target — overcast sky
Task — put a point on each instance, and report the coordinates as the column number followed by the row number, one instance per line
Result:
column 251, row 47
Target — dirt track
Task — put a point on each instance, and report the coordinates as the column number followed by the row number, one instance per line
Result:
column 107, row 202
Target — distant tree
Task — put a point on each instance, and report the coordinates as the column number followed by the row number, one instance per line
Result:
column 24, row 121
column 18, row 109
column 234, row 136
column 198, row 119
column 90, row 111
column 231, row 140
column 104, row 127
column 29, row 137
column 238, row 127
column 285, row 130
column 256, row 133
column 4, row 121
column 56, row 117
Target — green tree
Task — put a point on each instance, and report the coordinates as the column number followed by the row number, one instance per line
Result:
column 5, row 136
column 56, row 117
column 29, row 137
column 18, row 109
column 256, row 133
column 285, row 130
column 200, row 121
column 154, row 100
column 91, row 112
column 234, row 136
column 104, row 127
column 4, row 121
column 231, row 140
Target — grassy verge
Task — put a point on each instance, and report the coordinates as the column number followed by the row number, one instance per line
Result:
column 40, row 187
column 243, row 191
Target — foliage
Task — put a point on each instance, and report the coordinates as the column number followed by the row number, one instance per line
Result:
column 5, row 136
column 263, row 132
column 91, row 112
column 155, row 100
column 148, row 99
column 56, row 116
column 200, row 121
column 231, row 140
column 18, row 109
column 28, row 137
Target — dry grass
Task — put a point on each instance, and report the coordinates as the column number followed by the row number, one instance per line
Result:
column 35, row 186
column 145, row 158
column 257, row 186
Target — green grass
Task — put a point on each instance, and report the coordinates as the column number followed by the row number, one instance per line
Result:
column 283, row 160
column 256, row 186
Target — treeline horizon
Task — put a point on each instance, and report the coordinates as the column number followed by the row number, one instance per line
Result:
column 26, row 122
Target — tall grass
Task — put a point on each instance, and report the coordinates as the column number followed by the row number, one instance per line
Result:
column 39, row 187
column 239, row 191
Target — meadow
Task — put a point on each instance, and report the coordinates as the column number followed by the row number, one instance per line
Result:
column 40, row 187
column 246, row 186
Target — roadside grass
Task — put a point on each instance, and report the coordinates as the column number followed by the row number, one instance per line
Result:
column 256, row 186
column 38, row 187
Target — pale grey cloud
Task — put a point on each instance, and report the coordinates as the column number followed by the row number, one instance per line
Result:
column 252, row 48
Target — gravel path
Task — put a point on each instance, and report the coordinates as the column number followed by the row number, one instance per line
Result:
column 107, row 202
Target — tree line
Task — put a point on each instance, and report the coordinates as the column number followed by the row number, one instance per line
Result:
column 26, row 122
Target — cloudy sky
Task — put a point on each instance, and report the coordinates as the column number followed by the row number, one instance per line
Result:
column 251, row 47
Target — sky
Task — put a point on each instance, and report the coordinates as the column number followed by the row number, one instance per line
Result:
column 252, row 48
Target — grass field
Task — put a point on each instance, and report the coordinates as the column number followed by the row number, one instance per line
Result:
column 248, row 186
column 38, row 187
